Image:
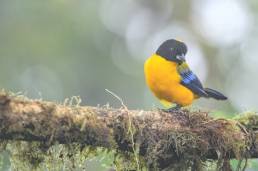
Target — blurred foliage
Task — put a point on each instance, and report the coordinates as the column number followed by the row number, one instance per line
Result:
column 58, row 49
column 29, row 156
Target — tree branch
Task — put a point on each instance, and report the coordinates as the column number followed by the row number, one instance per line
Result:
column 161, row 139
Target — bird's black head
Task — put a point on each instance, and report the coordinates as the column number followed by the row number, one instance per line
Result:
column 173, row 50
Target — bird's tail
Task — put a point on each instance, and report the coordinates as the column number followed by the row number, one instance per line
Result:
column 215, row 94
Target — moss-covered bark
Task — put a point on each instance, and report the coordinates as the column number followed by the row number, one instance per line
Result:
column 155, row 139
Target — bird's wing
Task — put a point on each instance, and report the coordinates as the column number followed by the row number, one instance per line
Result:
column 191, row 81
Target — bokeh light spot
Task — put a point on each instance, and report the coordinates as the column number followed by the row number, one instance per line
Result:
column 221, row 22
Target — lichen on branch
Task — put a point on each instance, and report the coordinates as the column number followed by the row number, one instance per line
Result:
column 147, row 139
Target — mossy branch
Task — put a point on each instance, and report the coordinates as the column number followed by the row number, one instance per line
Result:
column 162, row 140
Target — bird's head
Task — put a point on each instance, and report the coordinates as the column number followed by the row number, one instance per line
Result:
column 173, row 50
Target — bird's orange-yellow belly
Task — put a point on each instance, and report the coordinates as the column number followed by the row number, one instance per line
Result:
column 164, row 81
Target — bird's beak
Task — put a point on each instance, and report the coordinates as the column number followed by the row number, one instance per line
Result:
column 181, row 57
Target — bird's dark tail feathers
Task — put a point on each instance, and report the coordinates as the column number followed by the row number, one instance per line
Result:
column 215, row 94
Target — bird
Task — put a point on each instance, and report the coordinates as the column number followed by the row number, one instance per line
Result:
column 170, row 79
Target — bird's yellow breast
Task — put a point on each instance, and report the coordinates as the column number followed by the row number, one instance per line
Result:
column 164, row 81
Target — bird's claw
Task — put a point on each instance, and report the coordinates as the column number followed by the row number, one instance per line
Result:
column 172, row 109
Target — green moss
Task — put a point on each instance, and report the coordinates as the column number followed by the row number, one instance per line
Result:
column 248, row 119
column 178, row 141
column 34, row 156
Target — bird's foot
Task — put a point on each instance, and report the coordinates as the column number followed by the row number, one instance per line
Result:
column 172, row 109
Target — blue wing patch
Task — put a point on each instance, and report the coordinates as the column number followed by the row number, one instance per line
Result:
column 188, row 77
column 191, row 81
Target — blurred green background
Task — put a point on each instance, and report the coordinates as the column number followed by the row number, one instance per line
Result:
column 58, row 49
